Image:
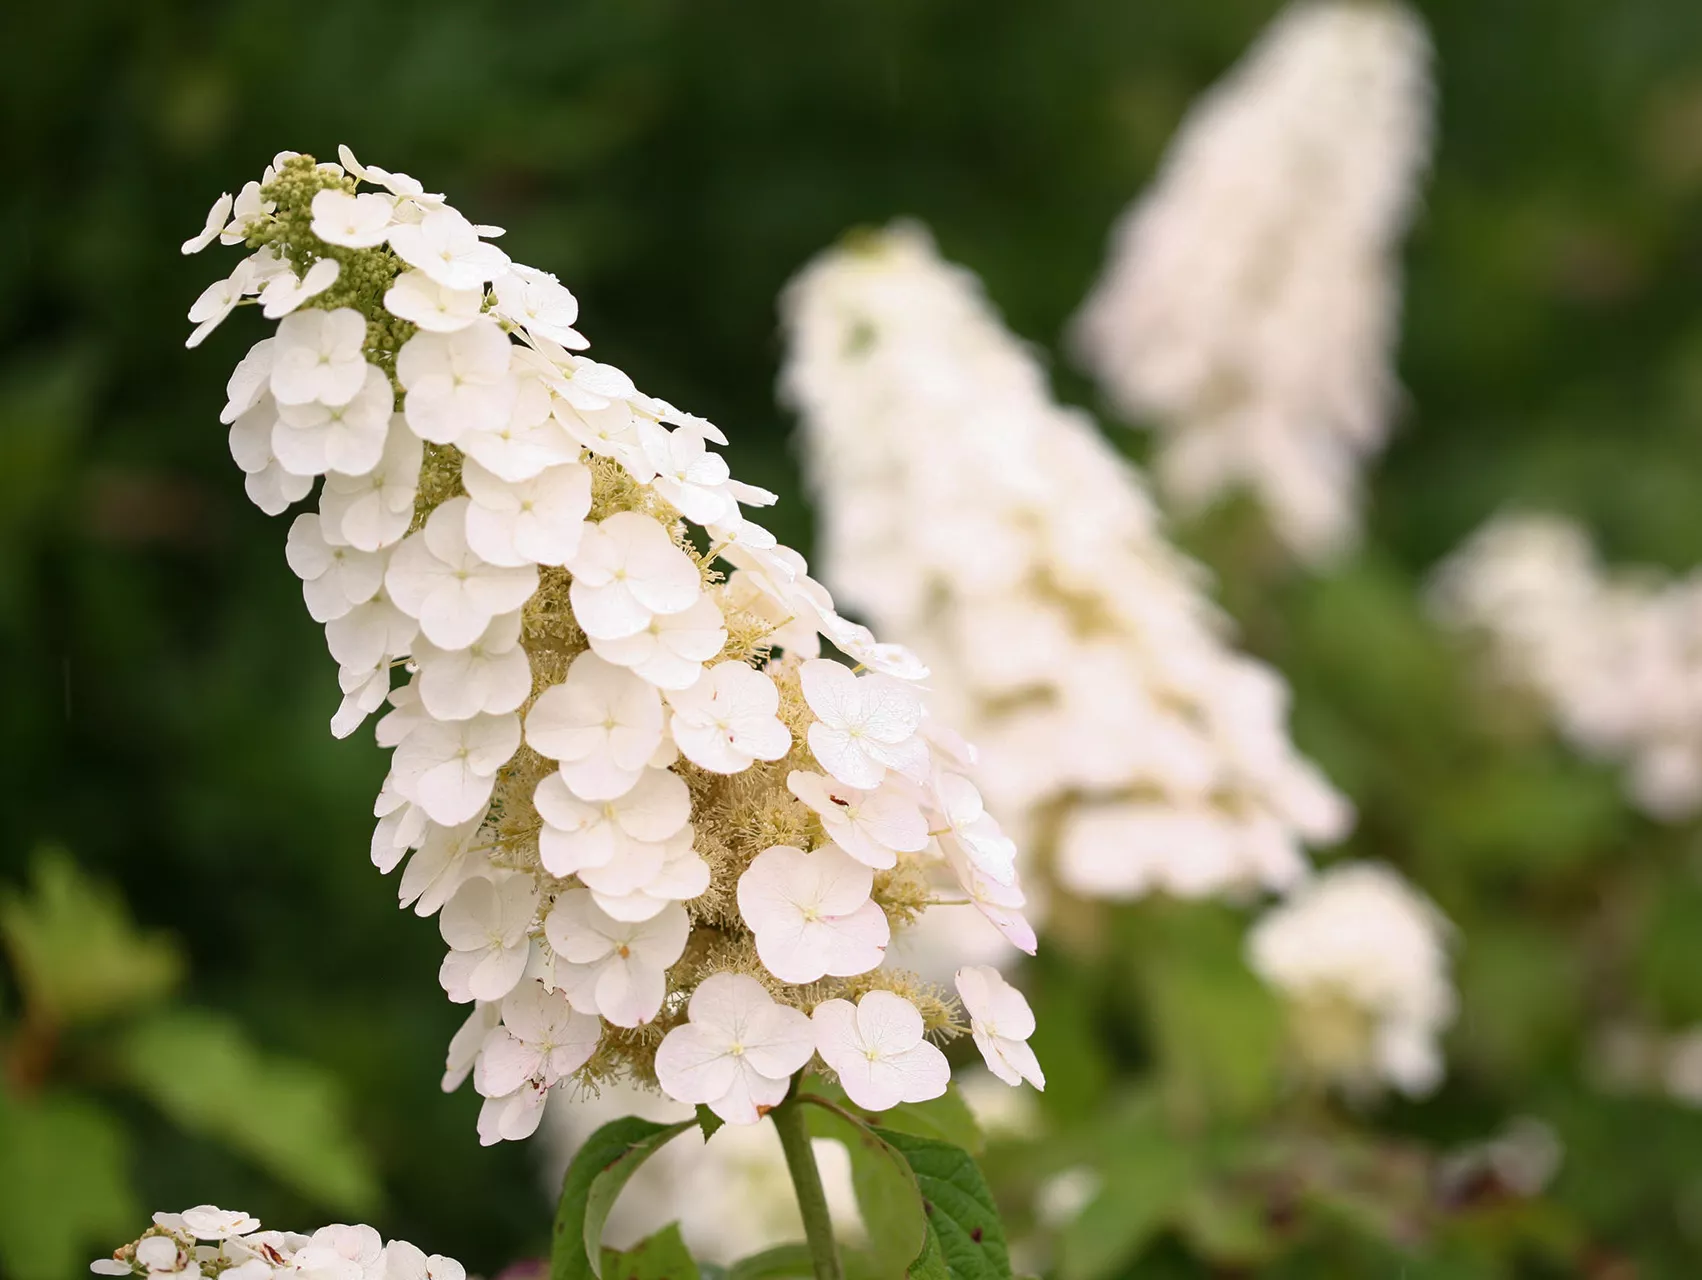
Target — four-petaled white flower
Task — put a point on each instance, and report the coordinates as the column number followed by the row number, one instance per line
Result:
column 542, row 1038
column 727, row 719
column 355, row 222
column 540, row 304
column 877, row 1048
column 417, row 298
column 578, row 834
column 671, row 651
column 491, row 676
column 874, row 827
column 457, row 382
column 284, row 291
column 436, row 577
column 334, row 579
column 487, row 925
column 688, row 475
column 1001, row 1022
column 448, row 768
column 374, row 510
column 217, row 301
column 864, row 725
column 737, row 1051
column 318, row 356
column 626, row 571
column 812, row 914
column 680, row 875
column 612, row 967
column 445, row 246
column 209, row 1222
column 313, row 438
column 535, row 521
column 601, row 724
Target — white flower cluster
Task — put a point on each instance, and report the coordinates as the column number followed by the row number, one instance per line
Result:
column 968, row 514
column 1250, row 307
column 209, row 1241
column 663, row 835
column 1615, row 657
column 1361, row 959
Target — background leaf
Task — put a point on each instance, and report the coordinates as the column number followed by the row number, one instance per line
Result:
column 614, row 1153
column 662, row 1256
column 287, row 1116
column 887, row 1192
column 65, row 1193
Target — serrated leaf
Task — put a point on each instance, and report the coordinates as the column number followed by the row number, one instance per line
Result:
column 946, row 1118
column 962, row 1216
column 708, row 1121
column 588, row 1190
column 783, row 1262
column 663, row 1256
column 285, row 1115
column 78, row 953
column 887, row 1192
column 65, row 1193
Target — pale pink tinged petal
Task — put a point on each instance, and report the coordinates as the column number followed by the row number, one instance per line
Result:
column 778, row 1040
column 465, row 922
column 495, row 975
column 750, row 1097
column 609, row 612
column 919, row 1074
column 599, row 778
column 855, row 943
column 888, row 1023
column 574, row 1044
column 633, row 866
column 455, row 974
column 727, row 1000
column 630, row 994
column 662, row 941
column 835, row 751
column 529, row 1012
column 577, row 931
column 693, row 1064
column 656, row 808
column 504, row 1064
column 842, row 884
column 867, row 1082
column 837, row 1036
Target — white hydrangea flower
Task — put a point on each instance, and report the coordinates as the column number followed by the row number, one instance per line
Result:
column 971, row 516
column 602, row 724
column 209, row 1222
column 726, row 720
column 318, row 356
column 353, row 221
column 422, row 301
column 1251, row 303
column 628, row 570
column 215, row 224
column 1001, row 1022
column 217, row 301
column 313, row 438
column 864, row 725
column 812, row 914
column 876, row 1047
column 615, row 968
column 737, row 1050
column 239, row 1250
column 1362, row 960
column 436, row 577
column 486, row 925
column 874, row 827
column 447, row 248
column 457, row 381
column 671, row 651
column 601, row 720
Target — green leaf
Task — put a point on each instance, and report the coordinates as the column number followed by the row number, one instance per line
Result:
column 708, row 1121
column 595, row 1177
column 64, row 1191
column 78, row 954
column 661, row 1257
column 887, row 1191
column 783, row 1262
column 945, row 1119
column 285, row 1115
column 962, row 1218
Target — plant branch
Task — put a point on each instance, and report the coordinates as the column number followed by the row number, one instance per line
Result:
column 794, row 1132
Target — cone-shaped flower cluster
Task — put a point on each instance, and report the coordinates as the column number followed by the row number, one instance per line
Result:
column 664, row 836
column 209, row 1241
column 969, row 515
column 1615, row 656
column 1361, row 959
column 1250, row 306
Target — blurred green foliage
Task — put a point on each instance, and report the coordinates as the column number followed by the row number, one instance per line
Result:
column 674, row 161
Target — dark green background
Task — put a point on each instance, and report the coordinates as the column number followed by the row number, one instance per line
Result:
column 167, row 696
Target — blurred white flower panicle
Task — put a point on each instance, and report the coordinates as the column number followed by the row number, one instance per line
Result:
column 209, row 1241
column 969, row 515
column 1361, row 960
column 1614, row 656
column 1250, row 307
column 661, row 832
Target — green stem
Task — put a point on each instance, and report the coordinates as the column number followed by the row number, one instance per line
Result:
column 789, row 1120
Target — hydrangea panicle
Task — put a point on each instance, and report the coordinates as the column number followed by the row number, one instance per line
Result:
column 207, row 1241
column 620, row 755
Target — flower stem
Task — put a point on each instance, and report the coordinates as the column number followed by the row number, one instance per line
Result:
column 789, row 1120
